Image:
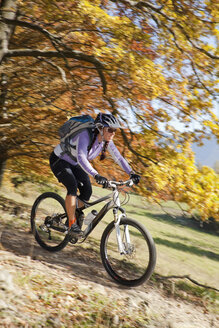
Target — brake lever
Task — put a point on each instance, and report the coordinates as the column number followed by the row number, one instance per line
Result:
column 130, row 183
column 106, row 185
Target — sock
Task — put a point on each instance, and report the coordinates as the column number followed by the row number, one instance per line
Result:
column 70, row 222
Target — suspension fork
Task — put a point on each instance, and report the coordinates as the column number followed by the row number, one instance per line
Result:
column 117, row 219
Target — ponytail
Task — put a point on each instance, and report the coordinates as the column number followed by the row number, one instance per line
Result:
column 103, row 153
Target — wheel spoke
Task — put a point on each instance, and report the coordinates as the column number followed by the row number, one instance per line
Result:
column 136, row 263
column 48, row 220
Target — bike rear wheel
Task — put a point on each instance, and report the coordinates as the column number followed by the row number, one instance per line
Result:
column 136, row 264
column 49, row 221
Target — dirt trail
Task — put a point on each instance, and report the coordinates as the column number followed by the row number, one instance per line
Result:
column 82, row 268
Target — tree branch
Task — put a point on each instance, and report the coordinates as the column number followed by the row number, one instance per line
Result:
column 56, row 41
column 61, row 71
column 143, row 4
column 190, row 279
column 31, row 26
column 135, row 152
column 64, row 53
column 50, row 53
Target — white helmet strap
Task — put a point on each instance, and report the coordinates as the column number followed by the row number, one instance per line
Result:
column 100, row 127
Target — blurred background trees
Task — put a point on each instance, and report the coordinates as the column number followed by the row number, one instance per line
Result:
column 153, row 64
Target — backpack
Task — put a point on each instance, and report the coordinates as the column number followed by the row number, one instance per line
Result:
column 72, row 127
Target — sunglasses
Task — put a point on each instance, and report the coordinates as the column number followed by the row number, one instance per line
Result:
column 110, row 130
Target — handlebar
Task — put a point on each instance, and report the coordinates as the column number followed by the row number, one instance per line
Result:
column 114, row 184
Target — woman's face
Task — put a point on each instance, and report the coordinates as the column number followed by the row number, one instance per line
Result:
column 108, row 133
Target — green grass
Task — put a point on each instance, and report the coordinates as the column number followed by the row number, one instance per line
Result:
column 49, row 299
column 182, row 247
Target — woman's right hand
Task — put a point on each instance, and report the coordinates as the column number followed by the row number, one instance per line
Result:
column 100, row 180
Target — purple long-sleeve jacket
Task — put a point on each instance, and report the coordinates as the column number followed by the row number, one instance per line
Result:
column 79, row 151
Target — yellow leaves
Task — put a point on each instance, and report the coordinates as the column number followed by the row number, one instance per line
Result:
column 178, row 178
column 141, row 63
column 216, row 32
column 98, row 16
column 214, row 126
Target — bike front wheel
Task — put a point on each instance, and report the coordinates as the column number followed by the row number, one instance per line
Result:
column 135, row 264
column 49, row 222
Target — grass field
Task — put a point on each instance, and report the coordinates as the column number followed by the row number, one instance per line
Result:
column 182, row 247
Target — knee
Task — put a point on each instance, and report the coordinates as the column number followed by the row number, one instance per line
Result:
column 71, row 192
column 85, row 193
column 86, row 196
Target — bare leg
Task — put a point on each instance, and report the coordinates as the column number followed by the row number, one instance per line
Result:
column 80, row 203
column 70, row 204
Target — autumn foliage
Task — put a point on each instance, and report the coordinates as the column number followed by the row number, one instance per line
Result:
column 153, row 64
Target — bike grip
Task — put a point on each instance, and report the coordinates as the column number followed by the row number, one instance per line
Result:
column 105, row 185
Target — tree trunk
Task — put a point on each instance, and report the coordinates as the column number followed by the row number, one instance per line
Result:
column 2, row 170
column 8, row 9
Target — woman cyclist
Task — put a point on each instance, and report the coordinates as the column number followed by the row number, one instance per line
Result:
column 73, row 172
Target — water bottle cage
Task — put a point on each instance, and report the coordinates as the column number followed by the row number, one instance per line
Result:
column 89, row 218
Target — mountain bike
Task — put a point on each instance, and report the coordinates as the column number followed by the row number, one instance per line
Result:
column 127, row 249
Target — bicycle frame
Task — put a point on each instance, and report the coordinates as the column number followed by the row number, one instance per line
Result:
column 127, row 249
column 114, row 204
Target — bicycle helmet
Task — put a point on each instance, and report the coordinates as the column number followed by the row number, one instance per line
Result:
column 107, row 120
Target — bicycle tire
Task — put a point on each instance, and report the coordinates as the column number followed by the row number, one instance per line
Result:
column 118, row 267
column 58, row 201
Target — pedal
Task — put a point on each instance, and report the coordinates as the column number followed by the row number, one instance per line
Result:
column 73, row 240
column 44, row 228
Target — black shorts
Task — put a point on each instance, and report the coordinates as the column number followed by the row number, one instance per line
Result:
column 73, row 177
